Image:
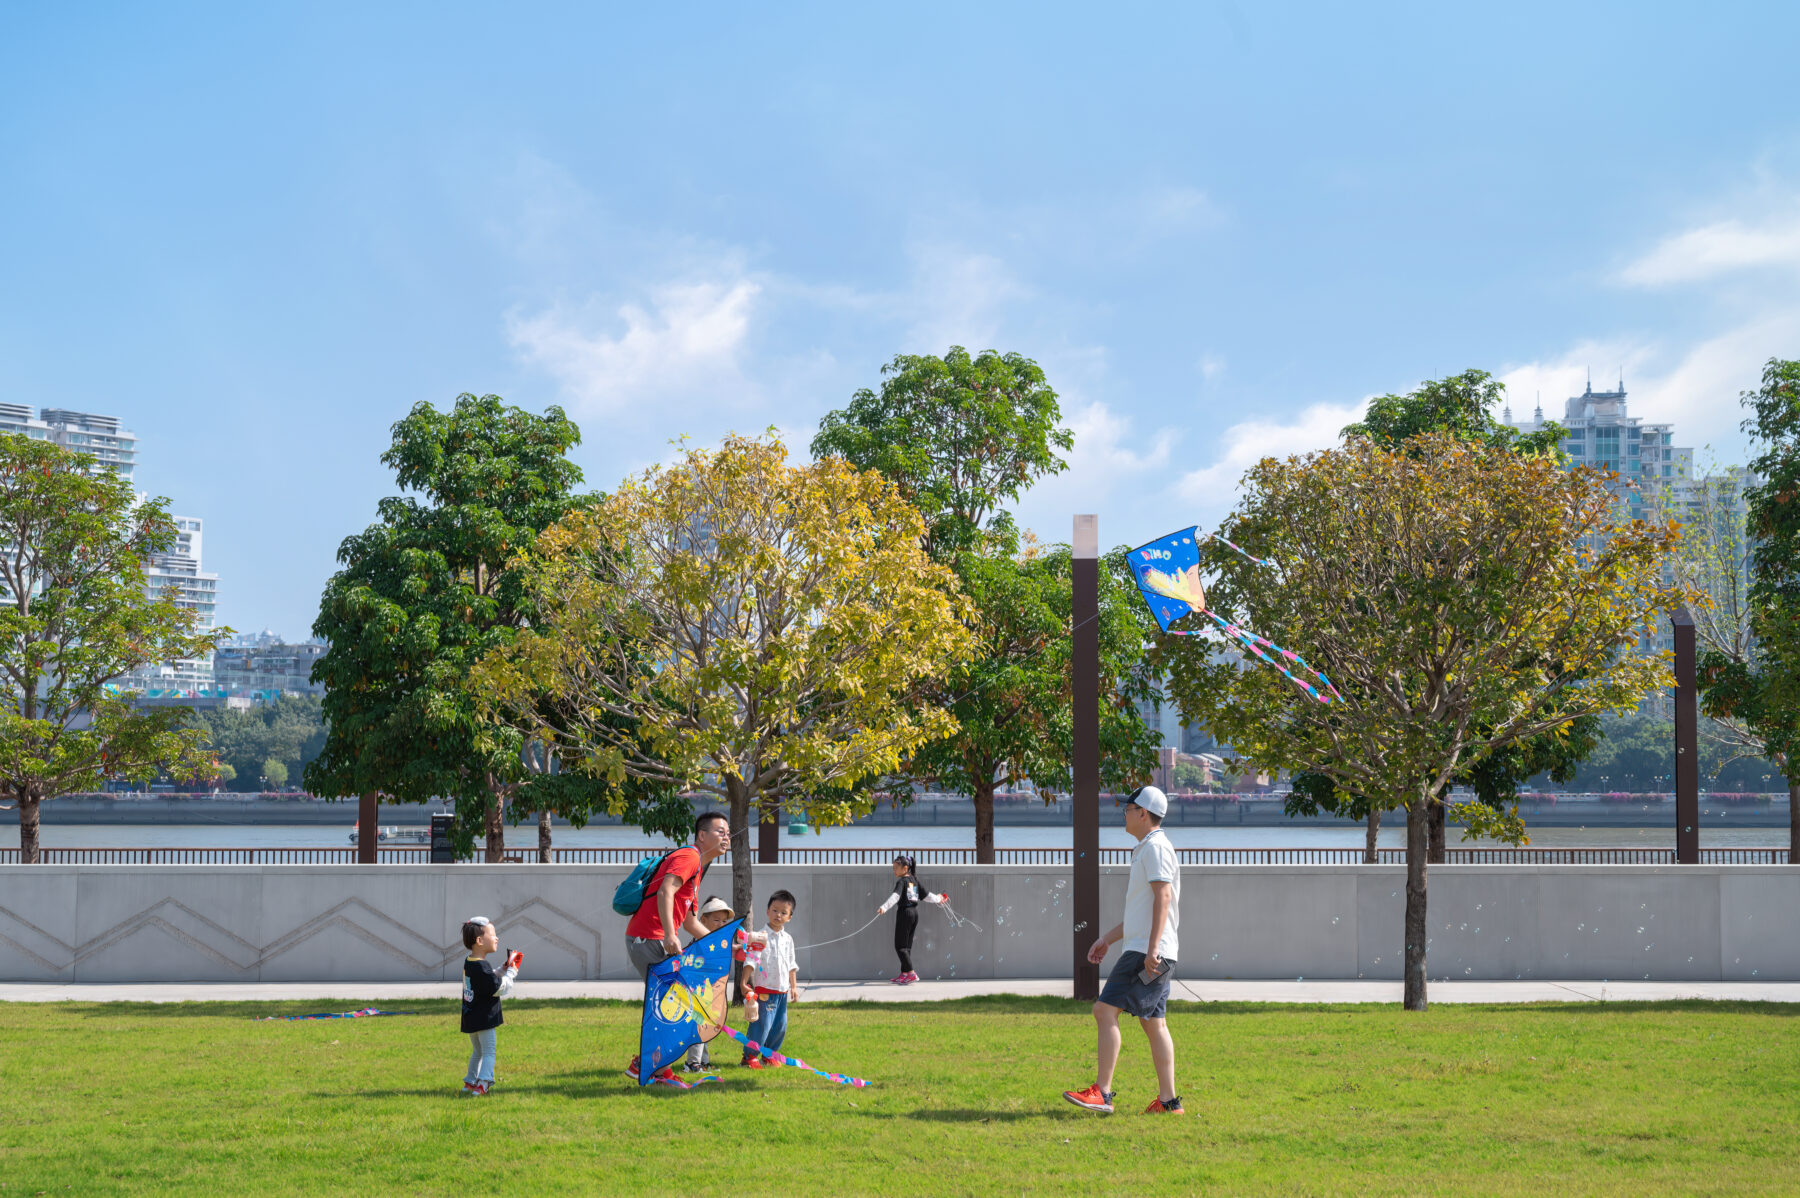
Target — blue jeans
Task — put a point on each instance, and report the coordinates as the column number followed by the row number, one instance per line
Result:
column 481, row 1056
column 769, row 1028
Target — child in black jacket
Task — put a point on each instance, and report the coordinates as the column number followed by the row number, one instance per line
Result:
column 908, row 893
column 481, row 994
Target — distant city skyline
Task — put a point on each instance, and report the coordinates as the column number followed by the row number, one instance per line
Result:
column 261, row 234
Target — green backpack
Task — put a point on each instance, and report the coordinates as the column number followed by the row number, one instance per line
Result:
column 630, row 894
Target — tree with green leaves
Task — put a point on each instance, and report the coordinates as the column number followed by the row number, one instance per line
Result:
column 1461, row 405
column 959, row 435
column 290, row 729
column 76, row 619
column 1011, row 699
column 1755, row 684
column 1446, row 587
column 422, row 594
column 736, row 626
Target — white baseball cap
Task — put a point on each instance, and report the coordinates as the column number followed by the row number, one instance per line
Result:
column 1150, row 799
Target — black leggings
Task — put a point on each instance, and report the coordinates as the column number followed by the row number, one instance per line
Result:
column 906, row 922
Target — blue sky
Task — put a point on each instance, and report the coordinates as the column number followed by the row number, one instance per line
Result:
column 260, row 233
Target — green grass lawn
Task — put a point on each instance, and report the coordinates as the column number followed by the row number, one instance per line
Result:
column 965, row 1099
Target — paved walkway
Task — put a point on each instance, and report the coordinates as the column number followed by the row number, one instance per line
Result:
column 1205, row 991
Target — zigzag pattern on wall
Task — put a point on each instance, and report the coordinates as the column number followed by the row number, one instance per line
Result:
column 353, row 917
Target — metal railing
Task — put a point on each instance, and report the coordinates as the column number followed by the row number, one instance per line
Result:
column 1496, row 855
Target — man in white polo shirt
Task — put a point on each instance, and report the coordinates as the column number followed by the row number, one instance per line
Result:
column 1139, row 984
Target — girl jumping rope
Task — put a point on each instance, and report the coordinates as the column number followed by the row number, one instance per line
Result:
column 909, row 893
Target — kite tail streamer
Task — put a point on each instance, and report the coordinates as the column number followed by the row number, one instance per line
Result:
column 776, row 1058
column 1256, row 644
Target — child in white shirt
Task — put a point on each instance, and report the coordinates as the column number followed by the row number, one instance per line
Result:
column 776, row 980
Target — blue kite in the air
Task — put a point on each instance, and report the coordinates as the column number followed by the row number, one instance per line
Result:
column 1168, row 576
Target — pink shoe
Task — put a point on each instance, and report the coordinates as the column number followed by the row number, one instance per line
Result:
column 900, row 981
column 911, row 977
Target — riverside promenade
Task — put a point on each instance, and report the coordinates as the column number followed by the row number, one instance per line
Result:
column 1300, row 991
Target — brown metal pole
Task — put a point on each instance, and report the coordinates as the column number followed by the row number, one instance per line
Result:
column 1086, row 756
column 368, row 814
column 1687, row 753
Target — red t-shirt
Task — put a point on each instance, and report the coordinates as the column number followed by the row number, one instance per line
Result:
column 684, row 864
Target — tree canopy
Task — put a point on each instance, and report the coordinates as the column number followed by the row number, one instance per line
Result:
column 76, row 619
column 423, row 593
column 1755, row 682
column 1445, row 586
column 959, row 435
column 737, row 626
column 290, row 730
column 1011, row 698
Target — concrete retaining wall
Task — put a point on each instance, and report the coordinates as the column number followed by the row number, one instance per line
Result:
column 283, row 923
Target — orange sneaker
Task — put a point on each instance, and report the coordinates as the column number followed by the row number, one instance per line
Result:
column 753, row 1062
column 1171, row 1107
column 1091, row 1099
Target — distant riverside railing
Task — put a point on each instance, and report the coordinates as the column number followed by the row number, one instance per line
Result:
column 1498, row 855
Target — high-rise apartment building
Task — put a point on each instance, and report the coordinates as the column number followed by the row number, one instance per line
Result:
column 112, row 447
column 1597, row 431
column 115, row 448
column 1654, row 475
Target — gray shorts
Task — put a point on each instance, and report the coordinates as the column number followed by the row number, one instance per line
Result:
column 644, row 953
column 1126, row 990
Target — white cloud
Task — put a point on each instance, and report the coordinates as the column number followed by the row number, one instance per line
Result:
column 1213, row 487
column 1692, row 377
column 1109, row 455
column 957, row 297
column 1717, row 249
column 686, row 335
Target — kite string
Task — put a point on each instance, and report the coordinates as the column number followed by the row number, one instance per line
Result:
column 858, row 932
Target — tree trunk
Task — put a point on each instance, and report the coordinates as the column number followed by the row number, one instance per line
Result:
column 1369, row 854
column 1794, row 820
column 743, row 861
column 368, row 833
column 496, row 828
column 544, row 837
column 1436, row 821
column 30, row 853
column 984, row 820
column 1417, row 842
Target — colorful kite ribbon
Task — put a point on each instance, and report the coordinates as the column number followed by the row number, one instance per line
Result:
column 1256, row 644
column 365, row 1013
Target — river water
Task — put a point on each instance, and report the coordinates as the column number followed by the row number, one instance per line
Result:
column 920, row 836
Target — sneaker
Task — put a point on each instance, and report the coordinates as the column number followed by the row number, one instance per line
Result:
column 898, row 980
column 665, row 1074
column 631, row 1070
column 690, row 1067
column 468, row 1089
column 1171, row 1107
column 911, row 977
column 481, row 1089
column 754, row 1062
column 1093, row 1099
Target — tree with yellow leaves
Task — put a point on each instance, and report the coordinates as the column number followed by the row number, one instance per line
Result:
column 735, row 625
column 1444, row 589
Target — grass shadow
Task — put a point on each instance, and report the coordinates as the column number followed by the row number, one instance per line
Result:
column 953, row 1115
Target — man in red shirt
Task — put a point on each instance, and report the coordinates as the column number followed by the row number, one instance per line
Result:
column 671, row 899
